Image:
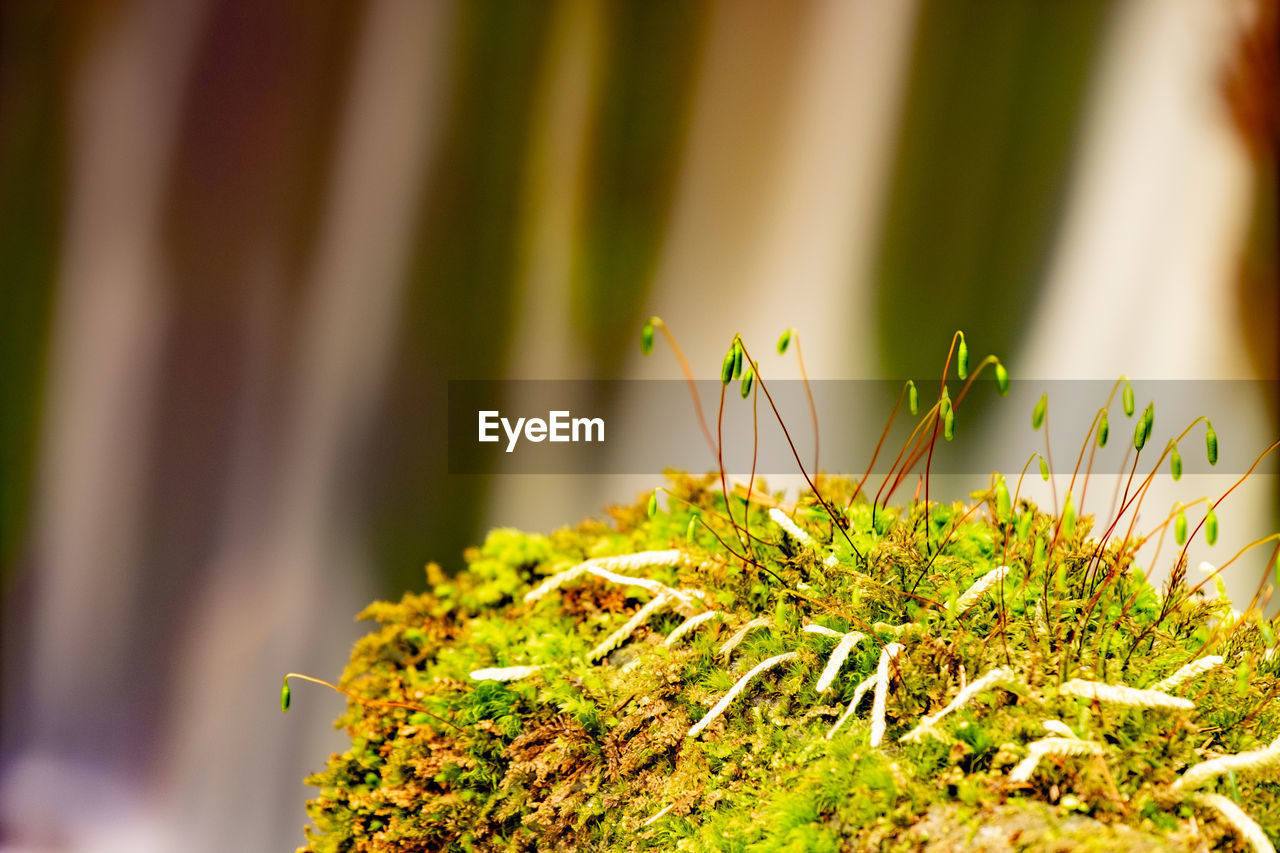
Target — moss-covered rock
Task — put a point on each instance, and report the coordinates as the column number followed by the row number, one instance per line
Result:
column 588, row 745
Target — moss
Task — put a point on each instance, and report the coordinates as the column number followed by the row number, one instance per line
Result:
column 584, row 755
column 490, row 712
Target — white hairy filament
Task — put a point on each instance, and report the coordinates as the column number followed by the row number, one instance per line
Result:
column 728, row 698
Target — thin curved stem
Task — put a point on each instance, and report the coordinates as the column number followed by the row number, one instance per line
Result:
column 376, row 702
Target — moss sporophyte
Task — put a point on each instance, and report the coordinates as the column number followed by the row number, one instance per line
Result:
column 722, row 669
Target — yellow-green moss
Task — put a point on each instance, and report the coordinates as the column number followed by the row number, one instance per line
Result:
column 582, row 755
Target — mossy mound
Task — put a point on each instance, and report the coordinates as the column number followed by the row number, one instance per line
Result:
column 591, row 751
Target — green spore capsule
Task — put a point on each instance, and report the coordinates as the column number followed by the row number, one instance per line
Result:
column 726, row 368
column 691, row 530
column 286, row 696
column 1044, row 469
column 1149, row 419
column 737, row 358
column 1211, row 443
column 1211, row 526
column 1175, row 463
column 1068, row 517
column 646, row 338
column 747, row 379
column 962, row 358
column 1037, row 414
column 653, row 504
column 1104, row 429
column 784, row 342
column 913, row 398
column 1180, row 528
column 1139, row 434
column 1002, row 379
column 1004, row 506
column 948, row 415
column 1126, row 399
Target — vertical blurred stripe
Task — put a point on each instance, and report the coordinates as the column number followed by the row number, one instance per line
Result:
column 35, row 49
column 1251, row 89
column 106, row 338
column 776, row 211
column 292, row 564
column 543, row 343
column 985, row 149
column 567, row 104
column 247, row 274
column 458, row 312
column 634, row 156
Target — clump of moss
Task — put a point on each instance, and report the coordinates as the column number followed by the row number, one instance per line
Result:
column 841, row 673
column 586, row 754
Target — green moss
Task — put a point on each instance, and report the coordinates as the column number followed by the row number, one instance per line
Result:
column 583, row 754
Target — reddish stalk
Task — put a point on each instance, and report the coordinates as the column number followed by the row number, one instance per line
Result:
column 755, row 450
column 1089, row 469
column 688, row 377
column 375, row 702
column 950, row 533
column 1257, row 595
column 836, row 521
column 942, row 390
column 918, row 452
column 1136, row 500
column 813, row 408
column 724, row 479
column 884, row 434
column 1169, row 605
column 901, row 453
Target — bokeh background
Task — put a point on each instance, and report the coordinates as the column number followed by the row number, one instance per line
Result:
column 244, row 246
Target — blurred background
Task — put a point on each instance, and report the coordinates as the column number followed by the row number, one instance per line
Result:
column 244, row 246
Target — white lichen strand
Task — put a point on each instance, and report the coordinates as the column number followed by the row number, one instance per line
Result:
column 858, row 693
column 838, row 657
column 688, row 625
column 899, row 631
column 994, row 678
column 1235, row 816
column 781, row 519
column 739, row 635
column 719, row 708
column 627, row 580
column 974, row 593
column 882, row 692
column 813, row 628
column 687, row 598
column 656, row 816
column 554, row 582
column 1051, row 746
column 641, row 616
column 1059, row 728
column 640, row 560
column 504, row 673
column 620, row 562
column 1129, row 697
column 1188, row 672
column 1255, row 759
